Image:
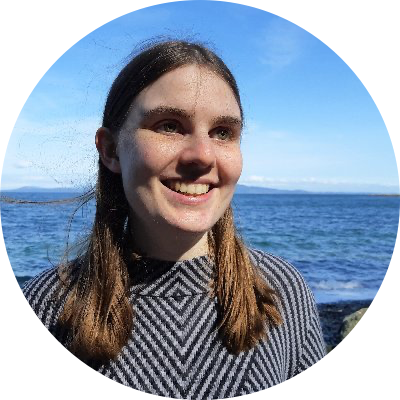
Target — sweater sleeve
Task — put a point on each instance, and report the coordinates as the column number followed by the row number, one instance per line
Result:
column 314, row 347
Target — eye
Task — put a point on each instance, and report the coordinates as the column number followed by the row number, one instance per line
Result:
column 168, row 127
column 223, row 133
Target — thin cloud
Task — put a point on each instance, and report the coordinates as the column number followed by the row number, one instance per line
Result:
column 254, row 128
column 22, row 164
column 281, row 44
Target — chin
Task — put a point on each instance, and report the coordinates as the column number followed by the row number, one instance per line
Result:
column 200, row 229
column 192, row 226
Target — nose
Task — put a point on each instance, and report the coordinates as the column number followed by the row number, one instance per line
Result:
column 198, row 151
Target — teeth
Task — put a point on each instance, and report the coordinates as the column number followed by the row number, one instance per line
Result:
column 183, row 188
column 190, row 188
column 199, row 189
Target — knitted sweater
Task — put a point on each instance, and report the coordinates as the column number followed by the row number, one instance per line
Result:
column 174, row 349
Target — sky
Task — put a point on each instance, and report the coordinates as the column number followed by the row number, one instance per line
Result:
column 309, row 122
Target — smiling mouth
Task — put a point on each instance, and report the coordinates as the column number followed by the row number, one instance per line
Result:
column 188, row 189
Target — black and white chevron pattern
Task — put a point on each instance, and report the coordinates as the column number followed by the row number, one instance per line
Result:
column 175, row 351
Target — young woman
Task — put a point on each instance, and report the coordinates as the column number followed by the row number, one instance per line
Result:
column 166, row 298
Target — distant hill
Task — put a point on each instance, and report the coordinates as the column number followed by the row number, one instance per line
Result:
column 240, row 189
column 35, row 189
column 243, row 189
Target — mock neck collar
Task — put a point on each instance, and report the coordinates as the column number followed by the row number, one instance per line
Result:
column 159, row 278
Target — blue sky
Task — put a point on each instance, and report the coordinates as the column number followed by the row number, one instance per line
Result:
column 310, row 123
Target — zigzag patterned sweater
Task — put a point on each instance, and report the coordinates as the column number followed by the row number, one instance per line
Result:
column 175, row 351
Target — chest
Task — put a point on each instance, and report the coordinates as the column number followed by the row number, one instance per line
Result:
column 175, row 351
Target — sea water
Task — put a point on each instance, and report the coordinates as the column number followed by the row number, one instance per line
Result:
column 342, row 244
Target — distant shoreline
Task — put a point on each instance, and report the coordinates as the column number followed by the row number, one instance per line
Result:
column 34, row 189
column 240, row 189
column 385, row 195
column 238, row 192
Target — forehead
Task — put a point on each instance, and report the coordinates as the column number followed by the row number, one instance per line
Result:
column 195, row 89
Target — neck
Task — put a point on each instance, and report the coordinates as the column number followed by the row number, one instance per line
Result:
column 174, row 245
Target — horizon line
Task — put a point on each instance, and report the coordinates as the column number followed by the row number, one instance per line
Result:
column 80, row 189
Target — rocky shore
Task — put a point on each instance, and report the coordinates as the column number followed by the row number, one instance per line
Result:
column 337, row 319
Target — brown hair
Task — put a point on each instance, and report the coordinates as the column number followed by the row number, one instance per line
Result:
column 98, row 315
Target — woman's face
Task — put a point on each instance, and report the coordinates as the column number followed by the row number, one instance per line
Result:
column 179, row 152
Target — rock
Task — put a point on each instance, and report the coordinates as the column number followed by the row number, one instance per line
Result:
column 329, row 348
column 332, row 315
column 350, row 322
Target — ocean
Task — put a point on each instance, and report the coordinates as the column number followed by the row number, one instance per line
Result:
column 342, row 244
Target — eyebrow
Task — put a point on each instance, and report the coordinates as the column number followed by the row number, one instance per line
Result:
column 221, row 119
column 228, row 119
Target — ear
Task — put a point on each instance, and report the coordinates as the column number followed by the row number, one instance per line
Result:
column 107, row 147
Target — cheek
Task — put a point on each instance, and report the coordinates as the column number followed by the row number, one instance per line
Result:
column 231, row 165
column 239, row 166
column 144, row 158
column 133, row 168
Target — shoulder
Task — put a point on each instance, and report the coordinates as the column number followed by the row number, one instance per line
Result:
column 46, row 292
column 298, row 310
column 294, row 294
column 277, row 271
column 42, row 286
